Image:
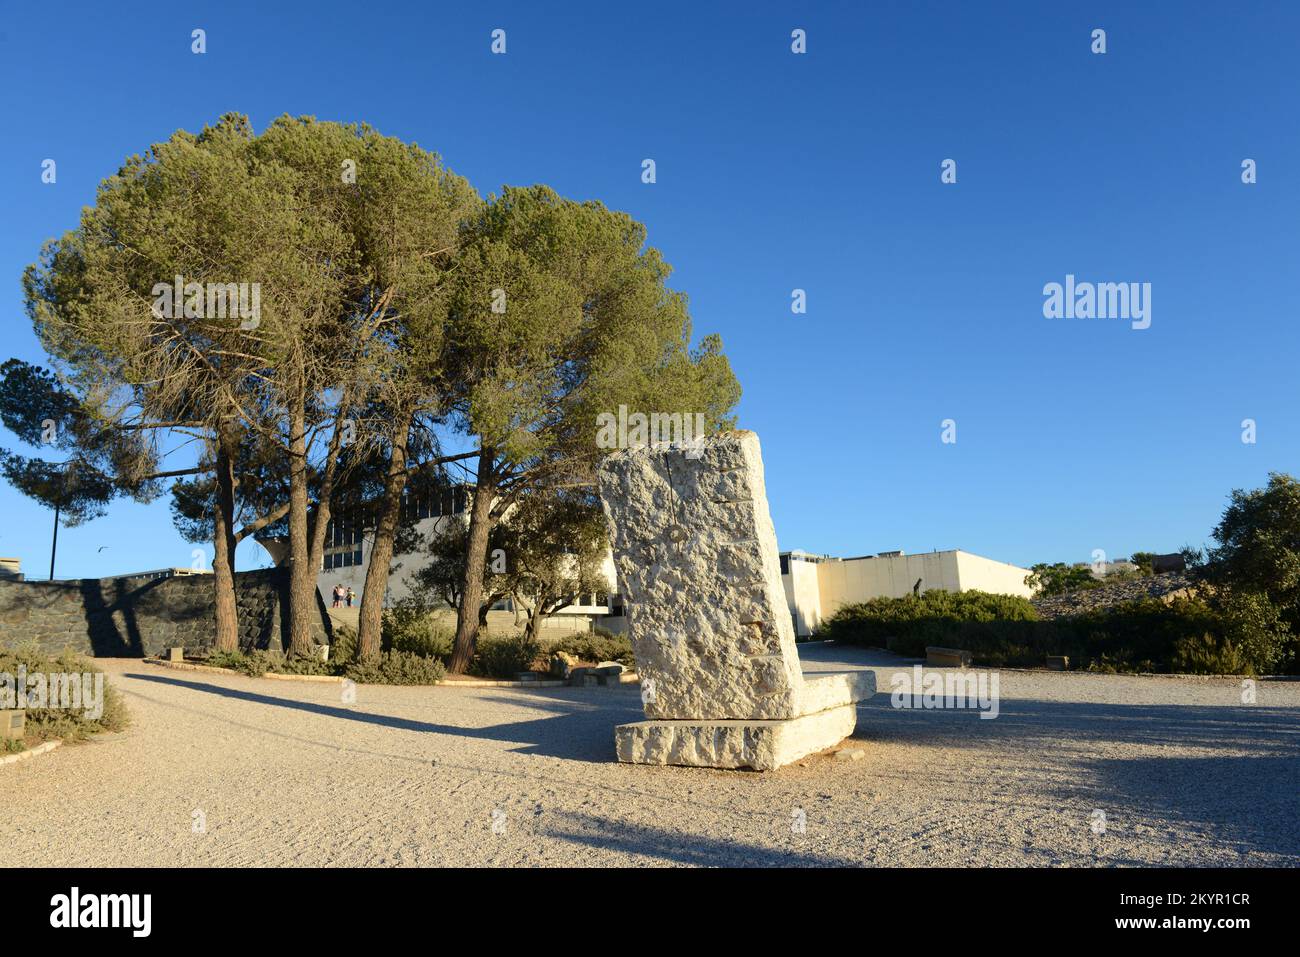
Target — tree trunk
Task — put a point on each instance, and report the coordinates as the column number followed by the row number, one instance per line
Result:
column 302, row 576
column 535, row 617
column 370, row 618
column 223, row 543
column 471, row 592
column 321, row 519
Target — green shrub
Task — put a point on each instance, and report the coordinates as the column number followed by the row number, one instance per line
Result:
column 1208, row 655
column 1257, row 632
column 908, row 625
column 397, row 668
column 1187, row 634
column 253, row 663
column 411, row 627
column 44, row 724
column 300, row 665
column 504, row 656
column 344, row 646
column 598, row 645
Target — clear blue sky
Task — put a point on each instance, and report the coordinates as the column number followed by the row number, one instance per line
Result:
column 821, row 172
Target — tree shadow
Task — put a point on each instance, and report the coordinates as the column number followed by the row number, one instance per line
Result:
column 1227, row 771
column 569, row 732
column 684, row 849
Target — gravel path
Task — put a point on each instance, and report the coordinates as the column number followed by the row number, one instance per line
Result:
column 285, row 774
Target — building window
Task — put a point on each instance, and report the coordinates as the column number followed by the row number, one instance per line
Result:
column 345, row 544
column 785, row 564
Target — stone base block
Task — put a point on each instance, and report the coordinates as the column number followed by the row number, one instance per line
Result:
column 947, row 657
column 761, row 745
column 826, row 691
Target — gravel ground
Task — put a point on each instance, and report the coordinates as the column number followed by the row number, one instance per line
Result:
column 285, row 774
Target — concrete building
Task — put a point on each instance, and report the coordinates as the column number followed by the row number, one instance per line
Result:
column 348, row 546
column 817, row 585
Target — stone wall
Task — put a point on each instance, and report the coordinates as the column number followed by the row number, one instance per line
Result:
column 135, row 616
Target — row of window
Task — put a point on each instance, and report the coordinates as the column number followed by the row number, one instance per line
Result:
column 434, row 503
column 342, row 559
column 345, row 534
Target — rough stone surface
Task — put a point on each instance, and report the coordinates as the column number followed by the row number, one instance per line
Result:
column 697, row 561
column 759, row 745
column 821, row 692
column 140, row 615
column 562, row 663
column 698, row 565
column 1165, row 587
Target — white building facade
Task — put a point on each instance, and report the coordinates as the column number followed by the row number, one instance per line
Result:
column 816, row 586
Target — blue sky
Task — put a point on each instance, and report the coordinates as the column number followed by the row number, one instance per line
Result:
column 819, row 171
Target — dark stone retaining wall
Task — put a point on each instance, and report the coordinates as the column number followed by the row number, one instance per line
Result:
column 135, row 616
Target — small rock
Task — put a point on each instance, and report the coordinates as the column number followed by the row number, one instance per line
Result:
column 850, row 754
column 562, row 663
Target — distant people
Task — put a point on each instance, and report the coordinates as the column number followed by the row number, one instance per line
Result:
column 338, row 595
column 351, row 596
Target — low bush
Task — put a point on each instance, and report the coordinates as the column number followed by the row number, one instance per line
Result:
column 343, row 647
column 908, row 625
column 1188, row 634
column 54, row 720
column 251, row 663
column 598, row 645
column 298, row 665
column 504, row 656
column 397, row 668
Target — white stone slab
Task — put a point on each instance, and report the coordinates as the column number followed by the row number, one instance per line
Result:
column 697, row 561
column 759, row 745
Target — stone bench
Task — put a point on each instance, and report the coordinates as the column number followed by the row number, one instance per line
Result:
column 13, row 724
column 697, row 561
column 947, row 657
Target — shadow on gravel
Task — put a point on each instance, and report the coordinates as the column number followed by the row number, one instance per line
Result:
column 570, row 729
column 1249, row 802
column 1079, row 724
column 678, row 848
column 1243, row 795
